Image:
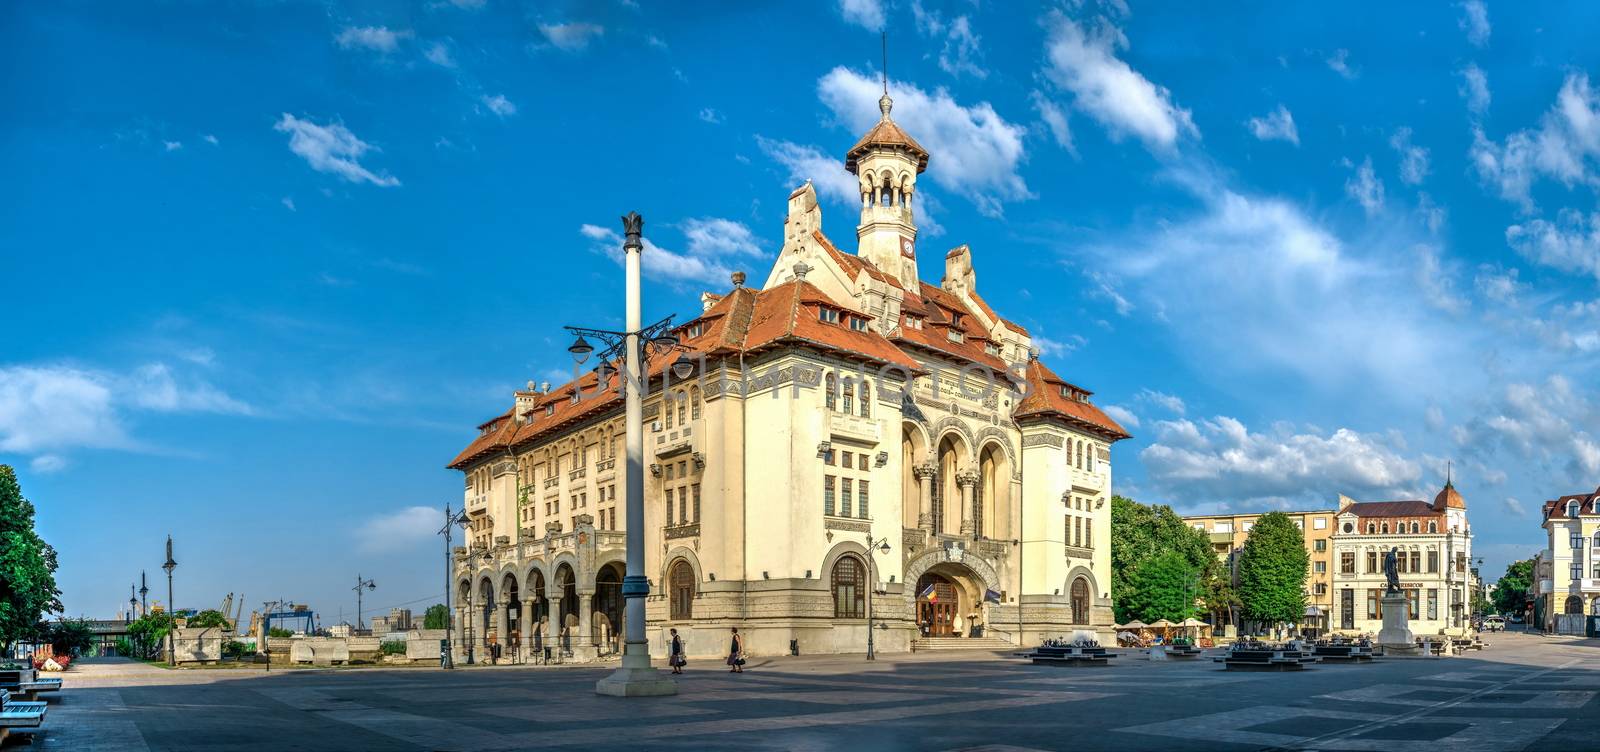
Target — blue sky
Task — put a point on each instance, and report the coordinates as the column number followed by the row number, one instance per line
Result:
column 265, row 265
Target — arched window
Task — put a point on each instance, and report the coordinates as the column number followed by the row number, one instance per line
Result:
column 1414, row 528
column 849, row 588
column 1080, row 601
column 1572, row 509
column 683, row 406
column 694, row 403
column 1597, row 539
column 849, row 390
column 666, row 408
column 681, row 590
column 830, row 385
column 1384, row 528
column 1371, row 528
column 1433, row 527
column 866, row 400
column 1574, row 604
column 1595, row 609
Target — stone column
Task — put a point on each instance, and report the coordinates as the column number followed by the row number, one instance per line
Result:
column 585, row 619
column 967, row 480
column 527, row 626
column 924, row 474
column 552, row 635
column 501, row 636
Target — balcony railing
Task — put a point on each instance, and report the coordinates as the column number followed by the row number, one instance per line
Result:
column 576, row 474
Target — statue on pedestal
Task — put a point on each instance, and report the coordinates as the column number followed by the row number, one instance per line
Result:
column 1391, row 569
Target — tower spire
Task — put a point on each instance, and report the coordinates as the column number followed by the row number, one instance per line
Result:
column 885, row 103
column 1448, row 465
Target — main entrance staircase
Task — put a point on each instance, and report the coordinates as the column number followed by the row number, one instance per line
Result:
column 922, row 644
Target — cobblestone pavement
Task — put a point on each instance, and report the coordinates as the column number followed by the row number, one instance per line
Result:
column 1525, row 692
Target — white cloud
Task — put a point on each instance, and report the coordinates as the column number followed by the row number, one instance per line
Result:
column 1054, row 119
column 1515, row 507
column 46, row 410
column 1547, row 424
column 1571, row 243
column 499, row 105
column 1084, row 62
column 1562, row 147
column 976, row 152
column 827, row 174
column 212, row 139
column 1475, row 22
column 713, row 245
column 1497, row 285
column 962, row 49
column 1053, row 347
column 868, row 14
column 469, row 4
column 1413, row 158
column 1275, row 125
column 1436, row 282
column 47, row 463
column 376, row 38
column 1220, row 460
column 1121, row 415
column 172, row 145
column 1474, row 88
column 1106, row 291
column 399, row 530
column 1366, row 188
column 711, row 116
column 439, row 55
column 713, row 236
column 1339, row 62
column 571, row 37
column 1169, row 402
column 288, row 203
column 331, row 148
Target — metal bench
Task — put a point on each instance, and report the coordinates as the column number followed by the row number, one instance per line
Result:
column 19, row 715
column 27, row 683
column 1184, row 651
column 10, row 704
column 1347, row 653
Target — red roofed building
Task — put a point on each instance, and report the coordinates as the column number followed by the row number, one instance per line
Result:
column 844, row 405
column 1571, row 589
column 1433, row 553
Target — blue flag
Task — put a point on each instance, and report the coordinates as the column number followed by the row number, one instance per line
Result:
column 991, row 596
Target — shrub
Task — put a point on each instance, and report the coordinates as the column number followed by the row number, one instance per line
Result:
column 279, row 632
column 392, row 647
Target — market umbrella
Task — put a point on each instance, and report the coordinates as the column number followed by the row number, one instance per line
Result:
column 1135, row 624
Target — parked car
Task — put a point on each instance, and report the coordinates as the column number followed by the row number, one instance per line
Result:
column 1494, row 624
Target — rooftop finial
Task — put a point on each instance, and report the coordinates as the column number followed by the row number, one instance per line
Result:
column 885, row 103
column 1447, row 468
column 800, row 270
column 738, row 279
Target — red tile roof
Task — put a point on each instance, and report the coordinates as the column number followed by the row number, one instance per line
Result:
column 987, row 311
column 886, row 133
column 1045, row 399
column 1588, row 503
column 1449, row 498
column 1408, row 508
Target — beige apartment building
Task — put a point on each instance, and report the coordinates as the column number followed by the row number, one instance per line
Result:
column 1571, row 585
column 1228, row 533
column 848, row 432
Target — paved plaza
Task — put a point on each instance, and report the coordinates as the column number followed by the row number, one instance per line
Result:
column 1524, row 692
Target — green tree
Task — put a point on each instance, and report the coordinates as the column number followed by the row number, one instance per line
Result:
column 69, row 636
column 1272, row 570
column 1163, row 586
column 148, row 634
column 1138, row 533
column 1510, row 593
column 436, row 617
column 1217, row 591
column 27, row 566
column 209, row 618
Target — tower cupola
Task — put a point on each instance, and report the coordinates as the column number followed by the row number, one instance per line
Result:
column 887, row 162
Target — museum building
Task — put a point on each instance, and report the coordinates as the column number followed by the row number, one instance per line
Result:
column 845, row 440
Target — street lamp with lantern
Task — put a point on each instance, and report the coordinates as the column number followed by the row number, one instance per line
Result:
column 873, row 548
column 361, row 584
column 636, row 677
column 172, row 611
column 451, row 519
column 144, row 606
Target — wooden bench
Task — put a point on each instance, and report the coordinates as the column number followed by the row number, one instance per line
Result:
column 27, row 683
column 1070, row 655
column 9, row 703
column 1265, row 659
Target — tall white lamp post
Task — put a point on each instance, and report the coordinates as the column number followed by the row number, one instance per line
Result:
column 636, row 677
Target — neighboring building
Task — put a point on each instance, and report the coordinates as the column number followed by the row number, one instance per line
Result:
column 398, row 620
column 1571, row 580
column 1434, row 558
column 822, row 417
column 1228, row 533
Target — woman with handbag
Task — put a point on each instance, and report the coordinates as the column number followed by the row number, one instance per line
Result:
column 675, row 653
column 736, row 653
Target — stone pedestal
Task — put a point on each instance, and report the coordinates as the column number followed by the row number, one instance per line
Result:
column 198, row 644
column 1396, row 633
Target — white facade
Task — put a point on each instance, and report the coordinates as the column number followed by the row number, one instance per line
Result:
column 1433, row 543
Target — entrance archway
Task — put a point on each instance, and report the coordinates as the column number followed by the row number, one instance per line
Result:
column 608, row 603
column 1574, row 604
column 949, row 596
column 1080, row 601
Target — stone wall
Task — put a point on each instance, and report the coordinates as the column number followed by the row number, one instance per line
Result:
column 423, row 644
column 197, row 644
column 321, row 651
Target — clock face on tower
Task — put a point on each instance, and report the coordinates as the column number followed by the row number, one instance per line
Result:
column 908, row 248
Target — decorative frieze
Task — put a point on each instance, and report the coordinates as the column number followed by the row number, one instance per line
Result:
column 1041, row 439
column 682, row 531
column 854, row 526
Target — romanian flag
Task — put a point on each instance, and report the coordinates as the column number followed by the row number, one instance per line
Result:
column 929, row 594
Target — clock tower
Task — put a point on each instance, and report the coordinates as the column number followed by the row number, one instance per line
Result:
column 886, row 163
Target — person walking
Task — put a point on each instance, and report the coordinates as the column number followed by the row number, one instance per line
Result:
column 675, row 653
column 736, row 653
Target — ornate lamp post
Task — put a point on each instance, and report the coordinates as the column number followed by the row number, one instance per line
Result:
column 172, row 611
column 451, row 519
column 144, row 606
column 361, row 584
column 881, row 546
column 636, row 677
